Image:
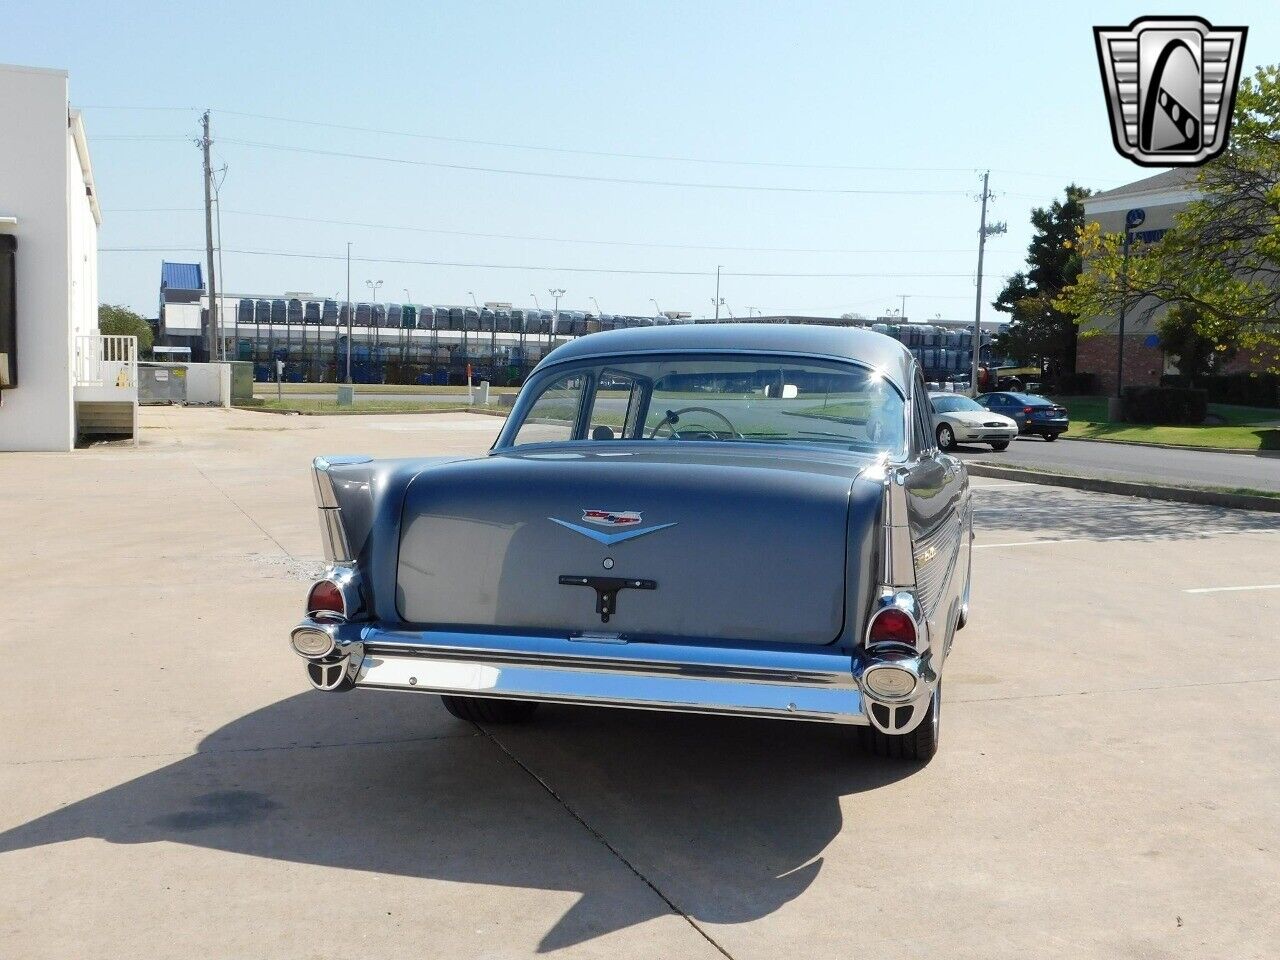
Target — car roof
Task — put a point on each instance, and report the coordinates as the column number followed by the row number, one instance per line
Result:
column 1030, row 397
column 838, row 343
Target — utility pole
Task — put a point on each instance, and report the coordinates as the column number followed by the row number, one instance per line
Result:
column 903, row 315
column 983, row 232
column 211, row 332
column 557, row 293
column 217, row 198
column 350, row 310
column 718, row 301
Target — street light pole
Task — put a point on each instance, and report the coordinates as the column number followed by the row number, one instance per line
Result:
column 904, row 297
column 657, row 310
column 350, row 311
column 599, row 313
column 1132, row 219
column 373, row 313
column 718, row 301
column 556, row 292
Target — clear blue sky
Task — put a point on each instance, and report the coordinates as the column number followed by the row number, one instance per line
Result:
column 946, row 86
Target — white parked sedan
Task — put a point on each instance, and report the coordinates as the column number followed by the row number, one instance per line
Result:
column 957, row 419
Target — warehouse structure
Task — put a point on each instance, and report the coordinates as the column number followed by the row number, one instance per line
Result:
column 424, row 343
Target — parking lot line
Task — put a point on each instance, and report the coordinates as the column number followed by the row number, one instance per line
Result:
column 1261, row 586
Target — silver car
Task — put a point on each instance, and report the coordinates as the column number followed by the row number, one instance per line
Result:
column 958, row 419
column 743, row 519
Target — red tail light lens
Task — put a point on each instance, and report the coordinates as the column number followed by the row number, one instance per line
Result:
column 892, row 625
column 325, row 597
column 1026, row 409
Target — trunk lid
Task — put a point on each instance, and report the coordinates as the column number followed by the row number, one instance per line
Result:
column 745, row 546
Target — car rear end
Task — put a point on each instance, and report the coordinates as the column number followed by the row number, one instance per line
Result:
column 436, row 584
column 1043, row 418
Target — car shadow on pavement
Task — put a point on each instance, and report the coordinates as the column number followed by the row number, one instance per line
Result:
column 728, row 818
column 1056, row 512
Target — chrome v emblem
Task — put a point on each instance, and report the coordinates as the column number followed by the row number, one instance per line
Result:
column 609, row 539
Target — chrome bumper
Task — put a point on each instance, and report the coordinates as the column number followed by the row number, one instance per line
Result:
column 823, row 685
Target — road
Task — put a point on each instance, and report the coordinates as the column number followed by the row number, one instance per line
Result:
column 1124, row 461
column 1106, row 787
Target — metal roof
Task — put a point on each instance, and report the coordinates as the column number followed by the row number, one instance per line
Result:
column 180, row 276
column 840, row 343
column 1179, row 177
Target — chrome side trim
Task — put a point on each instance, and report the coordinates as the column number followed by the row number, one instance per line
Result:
column 333, row 533
column 333, row 536
column 898, row 566
column 935, row 559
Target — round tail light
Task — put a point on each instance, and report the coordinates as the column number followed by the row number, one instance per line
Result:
column 326, row 598
column 892, row 625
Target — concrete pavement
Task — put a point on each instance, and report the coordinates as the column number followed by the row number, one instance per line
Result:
column 1107, row 785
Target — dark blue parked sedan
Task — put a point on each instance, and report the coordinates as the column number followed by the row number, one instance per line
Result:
column 1035, row 415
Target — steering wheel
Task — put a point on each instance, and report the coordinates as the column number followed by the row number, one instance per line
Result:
column 673, row 417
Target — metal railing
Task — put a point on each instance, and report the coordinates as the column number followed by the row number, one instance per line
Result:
column 107, row 360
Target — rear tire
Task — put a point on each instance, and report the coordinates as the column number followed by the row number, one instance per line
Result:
column 1051, row 437
column 485, row 710
column 920, row 745
column 1000, row 446
column 946, row 437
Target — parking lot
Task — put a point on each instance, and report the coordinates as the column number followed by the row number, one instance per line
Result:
column 1107, row 786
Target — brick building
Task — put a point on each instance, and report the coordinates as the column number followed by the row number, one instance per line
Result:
column 1160, row 197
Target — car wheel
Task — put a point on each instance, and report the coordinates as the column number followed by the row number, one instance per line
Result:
column 485, row 710
column 1000, row 445
column 946, row 437
column 1051, row 437
column 919, row 745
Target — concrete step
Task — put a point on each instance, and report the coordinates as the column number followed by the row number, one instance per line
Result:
column 99, row 418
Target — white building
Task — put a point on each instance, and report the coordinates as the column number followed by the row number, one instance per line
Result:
column 49, row 211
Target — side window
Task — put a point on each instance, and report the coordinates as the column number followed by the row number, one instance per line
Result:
column 555, row 413
column 615, row 395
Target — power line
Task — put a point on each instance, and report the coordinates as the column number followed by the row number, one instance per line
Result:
column 538, row 267
column 440, row 165
column 572, row 151
column 534, row 238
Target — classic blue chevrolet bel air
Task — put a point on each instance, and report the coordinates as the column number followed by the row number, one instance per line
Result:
column 737, row 519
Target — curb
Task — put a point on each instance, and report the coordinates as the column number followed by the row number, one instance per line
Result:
column 349, row 413
column 1128, row 488
column 1237, row 451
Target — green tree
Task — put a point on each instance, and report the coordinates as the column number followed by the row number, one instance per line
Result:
column 1180, row 336
column 121, row 321
column 1040, row 329
column 1222, row 258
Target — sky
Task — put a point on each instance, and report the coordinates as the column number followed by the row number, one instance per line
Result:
column 826, row 157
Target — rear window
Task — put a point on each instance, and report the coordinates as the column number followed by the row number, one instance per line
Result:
column 756, row 399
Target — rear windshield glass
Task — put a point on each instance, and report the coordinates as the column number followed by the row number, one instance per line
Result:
column 695, row 397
